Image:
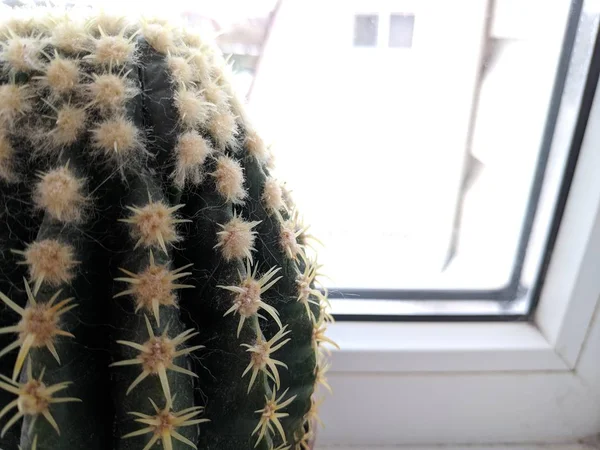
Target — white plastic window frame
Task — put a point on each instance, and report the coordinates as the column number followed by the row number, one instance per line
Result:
column 500, row 19
column 486, row 383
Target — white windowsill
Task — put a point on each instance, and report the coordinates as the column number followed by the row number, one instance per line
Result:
column 441, row 347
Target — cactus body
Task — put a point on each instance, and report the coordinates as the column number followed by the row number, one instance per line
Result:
column 156, row 289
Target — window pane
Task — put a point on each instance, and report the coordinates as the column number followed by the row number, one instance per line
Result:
column 415, row 169
column 401, row 30
column 365, row 30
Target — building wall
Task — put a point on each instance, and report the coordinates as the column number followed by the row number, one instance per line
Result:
column 381, row 132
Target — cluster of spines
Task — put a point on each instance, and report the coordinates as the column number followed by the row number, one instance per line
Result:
column 248, row 303
column 50, row 80
column 39, row 327
column 50, row 262
column 153, row 227
column 82, row 69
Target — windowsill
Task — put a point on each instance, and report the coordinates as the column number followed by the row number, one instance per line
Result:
column 485, row 447
column 441, row 347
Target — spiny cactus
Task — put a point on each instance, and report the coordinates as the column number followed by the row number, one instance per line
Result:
column 156, row 285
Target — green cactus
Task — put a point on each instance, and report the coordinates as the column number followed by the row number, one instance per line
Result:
column 156, row 288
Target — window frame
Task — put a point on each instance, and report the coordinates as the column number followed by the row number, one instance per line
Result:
column 511, row 302
column 470, row 383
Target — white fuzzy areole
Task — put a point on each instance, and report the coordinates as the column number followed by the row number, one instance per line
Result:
column 51, row 261
column 272, row 195
column 70, row 36
column 159, row 36
column 19, row 26
column 222, row 74
column 194, row 110
column 216, row 95
column 117, row 137
column 112, row 51
column 229, row 179
column 154, row 225
column 22, row 54
column 155, row 286
column 288, row 239
column 256, row 146
column 237, row 106
column 224, row 129
column 62, row 75
column 191, row 152
column 15, row 101
column 109, row 92
column 70, row 123
column 111, row 25
column 60, row 194
column 201, row 66
column 182, row 72
column 236, row 240
column 191, row 39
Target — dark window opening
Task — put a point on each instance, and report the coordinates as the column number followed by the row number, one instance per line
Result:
column 365, row 30
column 401, row 30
